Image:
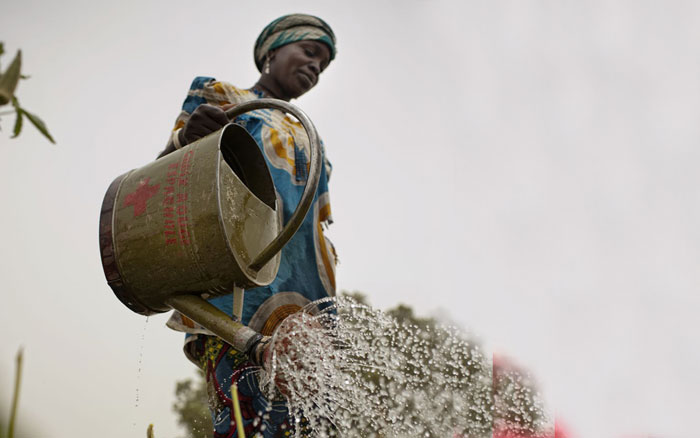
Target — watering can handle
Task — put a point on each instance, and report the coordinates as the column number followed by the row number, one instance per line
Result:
column 307, row 197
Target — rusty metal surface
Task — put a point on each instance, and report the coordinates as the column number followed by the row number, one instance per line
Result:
column 107, row 254
column 177, row 223
column 219, row 323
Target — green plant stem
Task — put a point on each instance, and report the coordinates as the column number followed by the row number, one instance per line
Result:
column 15, row 397
column 237, row 411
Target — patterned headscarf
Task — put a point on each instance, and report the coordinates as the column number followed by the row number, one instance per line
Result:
column 290, row 29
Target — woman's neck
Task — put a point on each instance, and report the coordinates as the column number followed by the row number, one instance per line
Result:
column 267, row 90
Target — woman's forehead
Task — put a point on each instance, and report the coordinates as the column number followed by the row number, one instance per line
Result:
column 317, row 45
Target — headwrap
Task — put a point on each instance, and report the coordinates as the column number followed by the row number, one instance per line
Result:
column 290, row 29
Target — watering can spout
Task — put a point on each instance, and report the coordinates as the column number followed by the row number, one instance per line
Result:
column 230, row 330
column 201, row 220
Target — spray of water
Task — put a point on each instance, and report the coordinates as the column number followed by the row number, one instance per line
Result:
column 353, row 371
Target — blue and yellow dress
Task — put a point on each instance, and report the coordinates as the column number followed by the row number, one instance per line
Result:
column 306, row 273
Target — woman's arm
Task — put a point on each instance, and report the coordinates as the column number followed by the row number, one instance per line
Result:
column 203, row 90
column 204, row 120
column 174, row 143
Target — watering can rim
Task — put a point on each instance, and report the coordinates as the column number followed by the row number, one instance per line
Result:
column 312, row 180
column 110, row 263
column 220, row 157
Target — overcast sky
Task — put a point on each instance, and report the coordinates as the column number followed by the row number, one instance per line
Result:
column 528, row 169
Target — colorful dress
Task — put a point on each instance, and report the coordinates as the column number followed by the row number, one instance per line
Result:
column 306, row 273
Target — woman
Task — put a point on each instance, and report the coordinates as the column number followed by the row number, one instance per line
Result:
column 291, row 53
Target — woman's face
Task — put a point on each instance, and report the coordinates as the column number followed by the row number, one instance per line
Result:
column 295, row 67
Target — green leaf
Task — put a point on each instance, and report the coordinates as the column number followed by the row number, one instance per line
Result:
column 9, row 79
column 18, row 124
column 38, row 123
column 5, row 97
column 24, row 76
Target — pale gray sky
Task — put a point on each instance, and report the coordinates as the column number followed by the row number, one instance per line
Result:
column 528, row 168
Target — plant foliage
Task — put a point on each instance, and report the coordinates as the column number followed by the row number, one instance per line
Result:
column 192, row 408
column 8, row 84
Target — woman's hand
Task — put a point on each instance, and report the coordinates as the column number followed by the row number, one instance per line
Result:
column 204, row 120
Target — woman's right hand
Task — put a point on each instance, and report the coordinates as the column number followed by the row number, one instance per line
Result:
column 204, row 120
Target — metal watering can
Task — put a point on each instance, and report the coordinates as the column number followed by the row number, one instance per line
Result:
column 202, row 220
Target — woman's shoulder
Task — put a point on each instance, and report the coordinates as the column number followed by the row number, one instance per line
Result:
column 217, row 92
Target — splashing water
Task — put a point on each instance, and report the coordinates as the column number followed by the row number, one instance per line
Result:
column 353, row 371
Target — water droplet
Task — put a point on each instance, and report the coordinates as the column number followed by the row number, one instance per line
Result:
column 140, row 361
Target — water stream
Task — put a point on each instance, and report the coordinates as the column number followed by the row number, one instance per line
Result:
column 353, row 371
column 140, row 361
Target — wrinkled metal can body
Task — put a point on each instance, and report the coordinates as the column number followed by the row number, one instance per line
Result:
column 190, row 222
